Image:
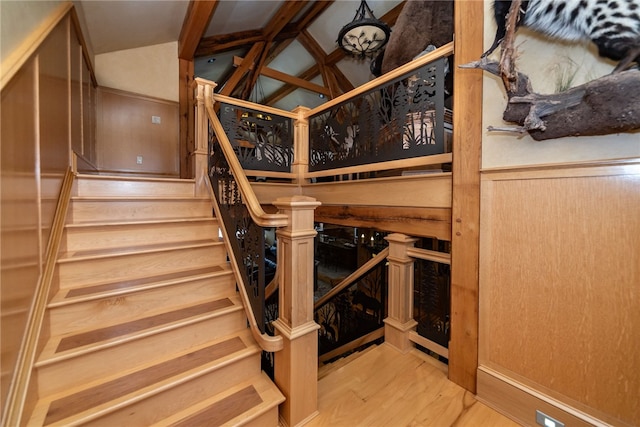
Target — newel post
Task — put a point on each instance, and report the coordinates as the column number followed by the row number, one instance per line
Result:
column 400, row 320
column 201, row 153
column 300, row 166
column 296, row 365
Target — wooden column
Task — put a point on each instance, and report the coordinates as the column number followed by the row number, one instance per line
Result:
column 201, row 155
column 465, row 208
column 296, row 366
column 301, row 146
column 400, row 320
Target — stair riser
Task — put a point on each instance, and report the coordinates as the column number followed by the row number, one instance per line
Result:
column 129, row 267
column 130, row 210
column 136, row 188
column 119, row 309
column 122, row 236
column 56, row 377
column 155, row 408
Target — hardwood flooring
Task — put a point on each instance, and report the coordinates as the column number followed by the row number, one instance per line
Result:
column 384, row 388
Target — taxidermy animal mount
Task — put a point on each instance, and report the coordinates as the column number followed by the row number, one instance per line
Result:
column 613, row 25
column 610, row 104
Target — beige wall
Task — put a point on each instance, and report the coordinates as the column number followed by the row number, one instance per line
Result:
column 18, row 19
column 149, row 70
column 545, row 62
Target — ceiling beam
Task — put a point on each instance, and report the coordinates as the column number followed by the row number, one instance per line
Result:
column 237, row 75
column 286, row 78
column 195, row 24
column 282, row 17
column 225, row 42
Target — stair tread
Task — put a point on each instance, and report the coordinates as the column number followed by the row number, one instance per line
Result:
column 140, row 222
column 84, row 293
column 134, row 178
column 112, row 393
column 83, row 255
column 81, row 342
column 243, row 402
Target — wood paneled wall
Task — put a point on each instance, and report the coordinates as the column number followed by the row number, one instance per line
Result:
column 125, row 131
column 42, row 107
column 560, row 291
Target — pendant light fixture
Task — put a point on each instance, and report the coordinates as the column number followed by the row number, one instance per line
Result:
column 365, row 34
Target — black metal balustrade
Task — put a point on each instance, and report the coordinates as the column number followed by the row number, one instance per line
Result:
column 432, row 299
column 262, row 141
column 404, row 119
column 248, row 244
column 356, row 311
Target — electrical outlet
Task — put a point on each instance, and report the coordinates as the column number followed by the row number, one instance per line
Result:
column 546, row 421
column 155, row 120
column 139, row 160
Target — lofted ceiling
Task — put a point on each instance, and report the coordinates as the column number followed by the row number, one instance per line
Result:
column 292, row 43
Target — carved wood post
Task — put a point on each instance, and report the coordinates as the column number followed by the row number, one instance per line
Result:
column 201, row 153
column 399, row 321
column 300, row 165
column 296, row 366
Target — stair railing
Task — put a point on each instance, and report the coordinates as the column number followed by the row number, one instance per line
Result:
column 242, row 216
column 351, row 313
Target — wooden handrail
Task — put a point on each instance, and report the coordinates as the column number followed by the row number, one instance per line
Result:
column 14, row 404
column 265, row 341
column 440, row 52
column 427, row 255
column 258, row 215
column 352, row 278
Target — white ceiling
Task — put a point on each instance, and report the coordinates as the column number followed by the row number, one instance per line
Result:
column 126, row 24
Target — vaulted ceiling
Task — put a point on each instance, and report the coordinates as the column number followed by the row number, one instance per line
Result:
column 275, row 52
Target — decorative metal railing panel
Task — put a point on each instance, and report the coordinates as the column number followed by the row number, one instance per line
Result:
column 432, row 300
column 248, row 241
column 354, row 312
column 404, row 119
column 262, row 141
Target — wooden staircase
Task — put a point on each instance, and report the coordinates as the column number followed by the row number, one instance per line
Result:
column 144, row 326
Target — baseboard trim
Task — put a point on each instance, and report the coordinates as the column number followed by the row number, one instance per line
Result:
column 520, row 402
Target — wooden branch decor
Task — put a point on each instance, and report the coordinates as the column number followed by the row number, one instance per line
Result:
column 607, row 105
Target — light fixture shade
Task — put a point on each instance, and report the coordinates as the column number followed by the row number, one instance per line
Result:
column 364, row 35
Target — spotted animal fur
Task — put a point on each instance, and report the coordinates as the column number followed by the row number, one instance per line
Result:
column 613, row 25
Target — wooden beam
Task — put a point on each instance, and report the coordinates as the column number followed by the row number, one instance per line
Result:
column 225, row 42
column 286, row 78
column 312, row 46
column 186, row 101
column 195, row 24
column 286, row 13
column 465, row 211
column 343, row 82
column 248, row 62
column 286, row 90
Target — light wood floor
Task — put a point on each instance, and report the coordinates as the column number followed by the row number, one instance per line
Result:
column 388, row 389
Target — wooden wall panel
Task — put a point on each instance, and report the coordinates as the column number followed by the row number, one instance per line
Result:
column 19, row 216
column 560, row 284
column 125, row 131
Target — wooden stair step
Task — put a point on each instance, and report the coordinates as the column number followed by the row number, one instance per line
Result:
column 253, row 402
column 114, row 234
column 103, row 185
column 109, row 350
column 95, row 209
column 145, row 385
column 119, row 304
column 67, row 296
column 97, row 267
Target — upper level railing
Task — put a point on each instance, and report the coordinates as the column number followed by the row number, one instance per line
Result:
column 394, row 122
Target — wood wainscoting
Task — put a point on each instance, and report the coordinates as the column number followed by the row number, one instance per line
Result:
column 126, row 132
column 559, row 292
